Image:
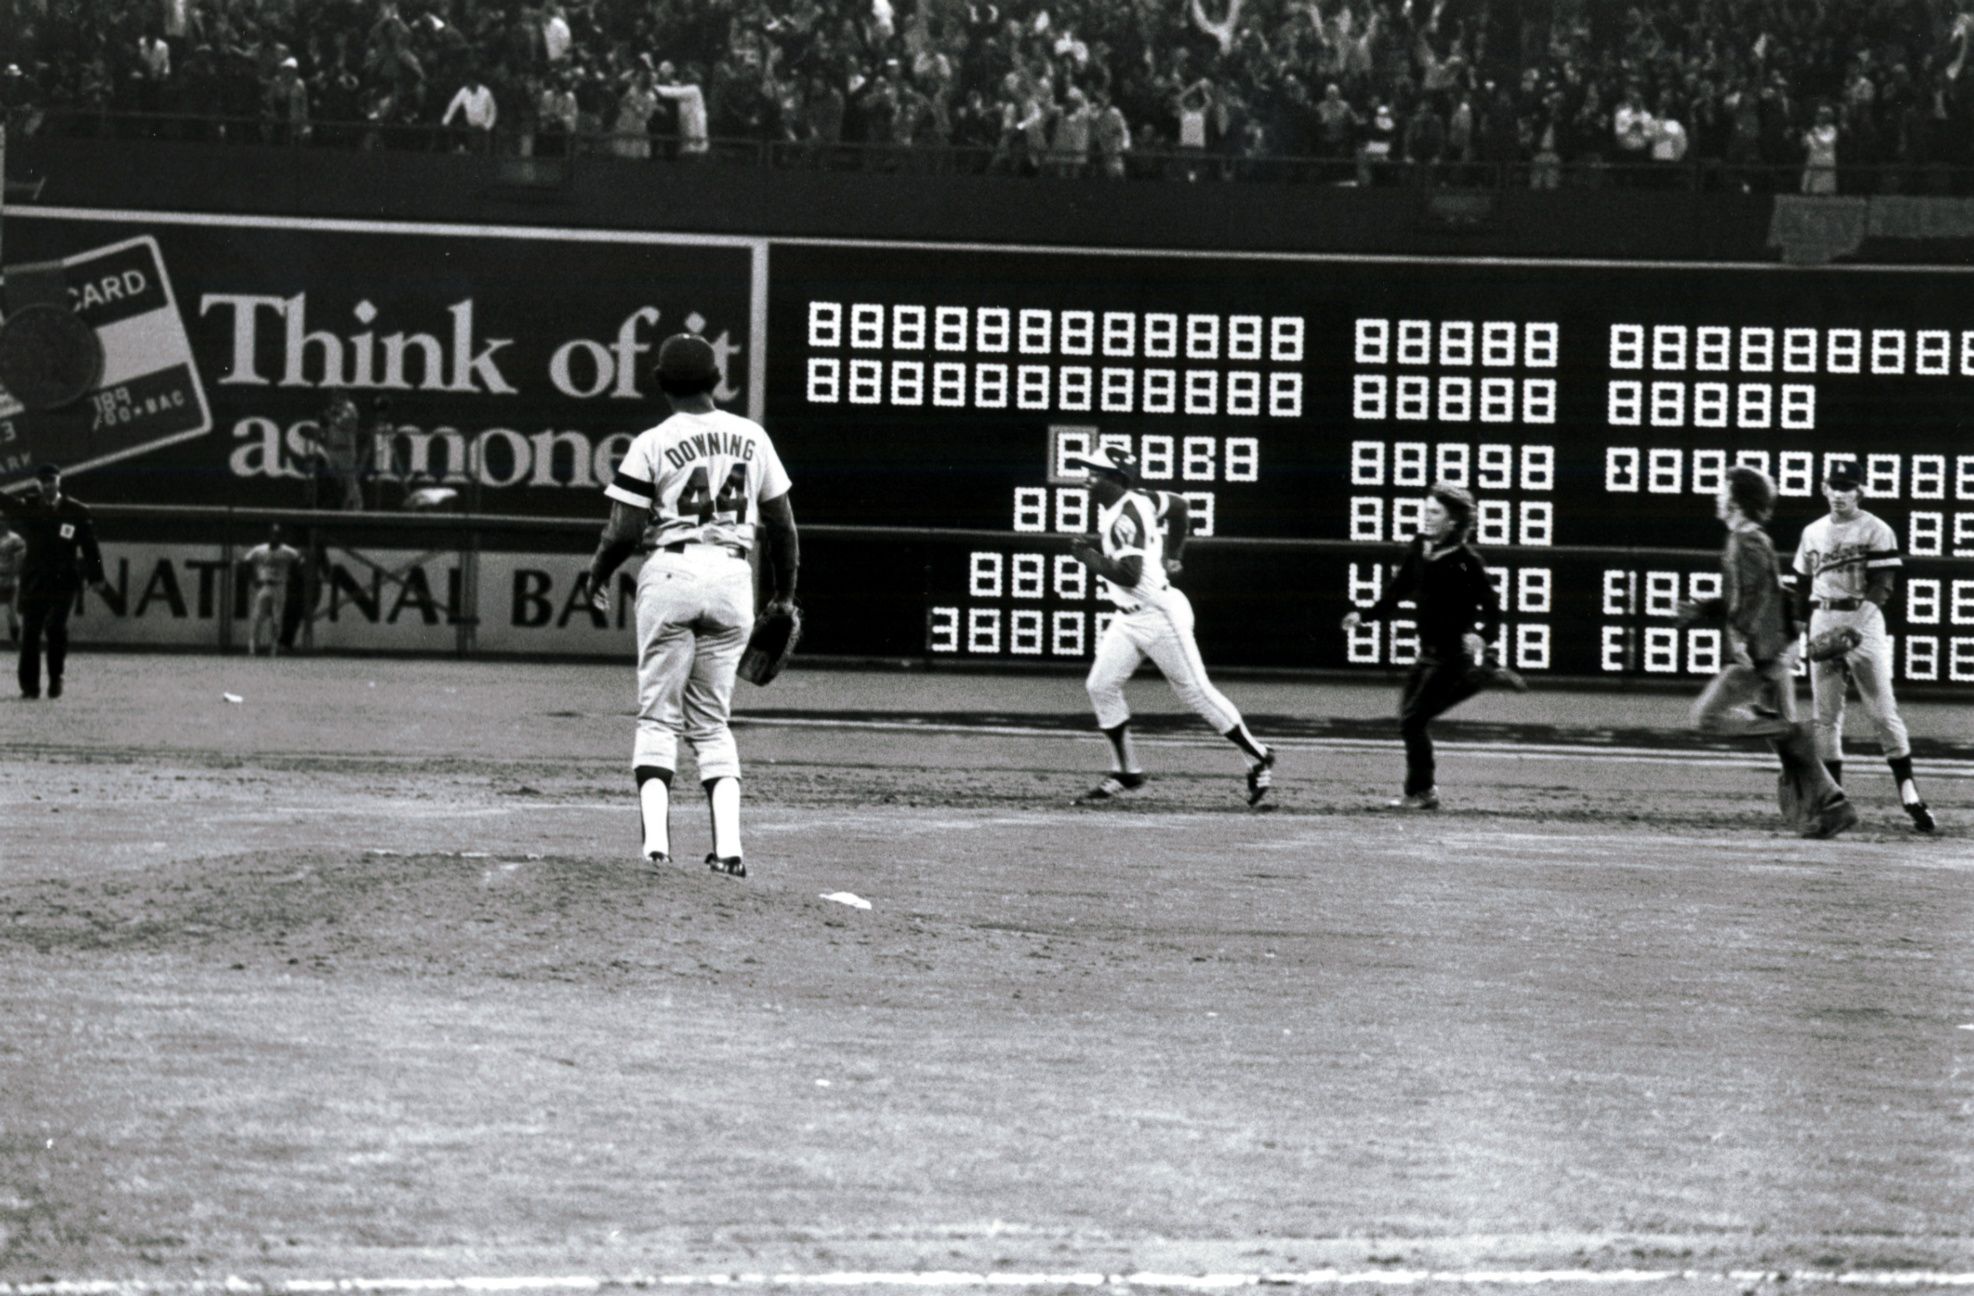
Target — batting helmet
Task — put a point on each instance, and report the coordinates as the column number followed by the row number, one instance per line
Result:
column 1109, row 459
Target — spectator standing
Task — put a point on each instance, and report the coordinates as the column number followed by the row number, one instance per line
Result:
column 821, row 127
column 339, row 445
column 477, row 110
column 1336, row 129
column 1669, row 143
column 1820, row 154
column 1374, row 156
column 153, row 72
column 285, row 109
column 1425, row 141
column 1632, row 129
column 630, row 133
column 690, row 101
column 1461, row 142
column 1071, row 152
column 556, row 114
column 1113, row 137
column 1190, row 105
column 1548, row 144
column 555, row 36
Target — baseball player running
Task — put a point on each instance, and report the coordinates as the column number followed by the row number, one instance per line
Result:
column 1154, row 619
column 271, row 563
column 1755, row 691
column 1846, row 565
column 1449, row 583
column 704, row 479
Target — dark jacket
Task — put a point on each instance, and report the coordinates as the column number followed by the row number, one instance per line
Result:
column 1751, row 598
column 1453, row 594
column 61, row 545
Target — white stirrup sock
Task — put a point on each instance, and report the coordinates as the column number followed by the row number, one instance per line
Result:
column 723, row 795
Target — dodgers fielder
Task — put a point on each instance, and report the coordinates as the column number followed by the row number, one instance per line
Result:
column 704, row 480
column 1846, row 566
column 1154, row 619
column 272, row 563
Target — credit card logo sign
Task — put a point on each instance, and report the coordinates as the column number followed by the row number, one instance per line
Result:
column 150, row 394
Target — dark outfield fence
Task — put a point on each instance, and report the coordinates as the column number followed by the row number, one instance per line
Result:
column 498, row 585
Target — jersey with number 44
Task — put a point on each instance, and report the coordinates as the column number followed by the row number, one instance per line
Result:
column 702, row 476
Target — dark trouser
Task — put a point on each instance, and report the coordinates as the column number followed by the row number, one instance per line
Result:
column 1435, row 686
column 44, row 618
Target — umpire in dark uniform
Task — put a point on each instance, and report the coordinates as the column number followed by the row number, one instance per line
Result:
column 61, row 555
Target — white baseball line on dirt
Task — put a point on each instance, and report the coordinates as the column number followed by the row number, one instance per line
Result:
column 1901, row 1279
column 1506, row 750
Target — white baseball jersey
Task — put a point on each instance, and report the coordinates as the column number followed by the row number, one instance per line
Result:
column 271, row 563
column 1837, row 557
column 1134, row 527
column 702, row 476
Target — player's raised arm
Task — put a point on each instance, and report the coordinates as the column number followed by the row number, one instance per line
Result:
column 784, row 548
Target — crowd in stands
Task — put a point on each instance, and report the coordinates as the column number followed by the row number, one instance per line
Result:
column 1826, row 96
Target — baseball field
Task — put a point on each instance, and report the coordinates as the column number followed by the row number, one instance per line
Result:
column 356, row 982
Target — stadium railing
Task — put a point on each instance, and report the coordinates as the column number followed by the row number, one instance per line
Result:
column 602, row 148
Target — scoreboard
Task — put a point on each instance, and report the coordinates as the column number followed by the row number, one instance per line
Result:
column 1588, row 407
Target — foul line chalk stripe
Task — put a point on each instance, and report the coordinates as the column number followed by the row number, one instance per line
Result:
column 948, row 1279
column 1508, row 751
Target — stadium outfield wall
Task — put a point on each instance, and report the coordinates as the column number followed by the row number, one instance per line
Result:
column 929, row 391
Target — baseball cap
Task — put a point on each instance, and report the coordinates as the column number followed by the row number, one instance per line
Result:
column 1107, row 459
column 48, row 472
column 687, row 358
column 1844, row 476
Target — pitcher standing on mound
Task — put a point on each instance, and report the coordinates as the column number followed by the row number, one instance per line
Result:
column 705, row 480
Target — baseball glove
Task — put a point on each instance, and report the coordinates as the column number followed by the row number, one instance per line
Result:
column 1837, row 641
column 771, row 644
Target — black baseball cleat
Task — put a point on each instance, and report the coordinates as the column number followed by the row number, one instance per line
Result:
column 728, row 864
column 1113, row 788
column 1922, row 818
column 657, row 859
column 1507, row 677
column 54, row 688
column 1260, row 777
column 1426, row 800
column 27, row 696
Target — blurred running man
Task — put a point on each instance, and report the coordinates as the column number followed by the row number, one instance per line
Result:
column 1755, row 692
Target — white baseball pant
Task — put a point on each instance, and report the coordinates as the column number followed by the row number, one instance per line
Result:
column 1164, row 634
column 1870, row 664
column 694, row 611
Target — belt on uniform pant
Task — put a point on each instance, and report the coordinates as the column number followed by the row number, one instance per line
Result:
column 680, row 546
column 1840, row 604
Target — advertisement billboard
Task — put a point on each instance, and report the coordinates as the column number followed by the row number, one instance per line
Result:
column 509, row 365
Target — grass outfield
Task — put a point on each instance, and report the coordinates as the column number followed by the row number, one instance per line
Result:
column 359, row 978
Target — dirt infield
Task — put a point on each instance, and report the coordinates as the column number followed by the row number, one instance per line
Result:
column 358, row 977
